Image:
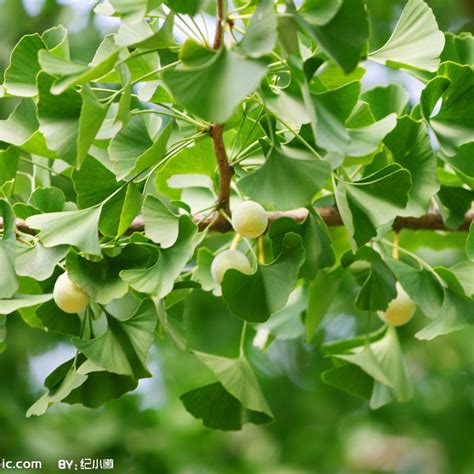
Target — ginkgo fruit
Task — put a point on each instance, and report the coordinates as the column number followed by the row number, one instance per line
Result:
column 249, row 219
column 227, row 260
column 68, row 296
column 400, row 310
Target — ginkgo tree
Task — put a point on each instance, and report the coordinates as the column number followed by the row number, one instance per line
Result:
column 216, row 176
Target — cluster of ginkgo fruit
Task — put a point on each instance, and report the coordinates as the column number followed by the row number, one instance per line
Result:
column 249, row 220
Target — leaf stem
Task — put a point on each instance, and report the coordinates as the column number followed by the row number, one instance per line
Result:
column 178, row 146
column 396, row 240
column 177, row 116
column 198, row 28
column 261, row 253
column 136, row 55
column 156, row 71
column 47, row 168
column 422, row 262
column 289, row 128
column 367, row 328
column 242, row 340
column 235, row 242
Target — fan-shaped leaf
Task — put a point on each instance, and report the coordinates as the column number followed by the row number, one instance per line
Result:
column 123, row 348
column 214, row 90
column 255, row 297
column 416, row 42
column 78, row 228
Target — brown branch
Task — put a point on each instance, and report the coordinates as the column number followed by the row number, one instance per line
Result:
column 219, row 24
column 330, row 215
column 225, row 176
column 216, row 132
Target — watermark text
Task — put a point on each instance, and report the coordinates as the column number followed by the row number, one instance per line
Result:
column 8, row 464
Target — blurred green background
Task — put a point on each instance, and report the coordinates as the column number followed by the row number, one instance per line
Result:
column 317, row 429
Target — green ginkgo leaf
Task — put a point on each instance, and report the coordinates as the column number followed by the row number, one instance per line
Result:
column 210, row 326
column 77, row 228
column 319, row 252
column 261, row 32
column 366, row 140
column 457, row 311
column 158, row 279
column 19, row 301
column 345, row 36
column 351, row 379
column 331, row 110
column 379, row 355
column 255, row 297
column 20, row 76
column 92, row 116
column 144, row 35
column 124, row 347
column 135, row 148
column 458, row 48
column 385, row 100
column 219, row 410
column 453, row 204
column 3, row 333
column 389, row 355
column 319, row 12
column 189, row 7
column 100, row 279
column 377, row 281
column 453, row 124
column 73, row 73
column 214, row 90
column 39, row 262
column 410, row 146
column 21, row 129
column 59, row 118
column 133, row 11
column 470, row 243
column 161, row 223
column 238, row 378
column 94, row 183
column 372, row 202
column 462, row 163
column 416, row 42
column 8, row 280
column 9, row 159
column 421, row 284
column 288, row 179
column 321, row 293
column 194, row 160
column 100, row 386
column 67, row 379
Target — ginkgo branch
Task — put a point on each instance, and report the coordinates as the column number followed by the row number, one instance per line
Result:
column 216, row 132
column 330, row 215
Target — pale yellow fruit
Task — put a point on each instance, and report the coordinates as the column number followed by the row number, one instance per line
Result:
column 227, row 260
column 249, row 219
column 400, row 310
column 69, row 297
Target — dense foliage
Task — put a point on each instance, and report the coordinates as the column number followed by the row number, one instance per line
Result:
column 123, row 173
